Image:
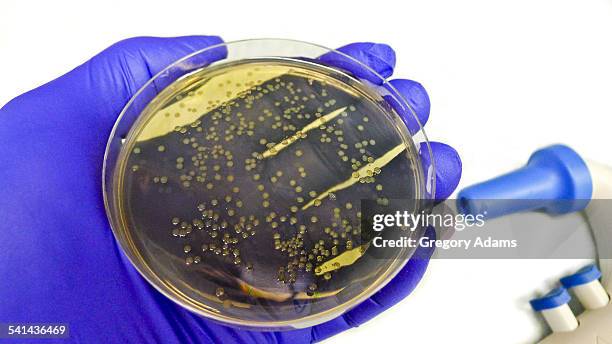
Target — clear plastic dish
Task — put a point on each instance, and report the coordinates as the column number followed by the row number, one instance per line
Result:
column 233, row 182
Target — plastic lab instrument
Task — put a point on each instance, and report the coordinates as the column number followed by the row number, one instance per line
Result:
column 559, row 181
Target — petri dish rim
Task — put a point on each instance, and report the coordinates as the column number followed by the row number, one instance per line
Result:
column 310, row 320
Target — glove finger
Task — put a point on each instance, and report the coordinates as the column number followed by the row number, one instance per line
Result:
column 379, row 57
column 399, row 287
column 447, row 167
column 414, row 93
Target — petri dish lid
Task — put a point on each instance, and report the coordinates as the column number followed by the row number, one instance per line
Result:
column 234, row 181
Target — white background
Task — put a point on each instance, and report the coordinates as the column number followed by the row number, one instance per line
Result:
column 504, row 78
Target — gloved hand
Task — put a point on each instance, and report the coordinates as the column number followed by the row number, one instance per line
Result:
column 59, row 262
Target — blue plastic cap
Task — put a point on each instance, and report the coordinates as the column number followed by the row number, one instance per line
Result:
column 555, row 179
column 557, row 297
column 583, row 276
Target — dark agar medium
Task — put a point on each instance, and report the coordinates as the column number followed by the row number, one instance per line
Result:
column 237, row 191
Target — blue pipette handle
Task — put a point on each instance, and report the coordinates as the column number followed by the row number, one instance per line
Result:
column 555, row 180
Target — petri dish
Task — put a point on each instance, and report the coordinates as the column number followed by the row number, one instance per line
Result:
column 234, row 180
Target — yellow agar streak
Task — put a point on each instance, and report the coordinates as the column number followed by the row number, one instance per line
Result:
column 344, row 259
column 282, row 296
column 312, row 125
column 378, row 163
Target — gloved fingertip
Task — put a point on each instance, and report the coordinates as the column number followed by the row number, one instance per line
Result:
column 215, row 49
column 412, row 92
column 447, row 167
column 376, row 56
column 416, row 96
column 196, row 42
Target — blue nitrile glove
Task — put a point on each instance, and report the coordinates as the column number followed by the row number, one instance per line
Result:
column 59, row 262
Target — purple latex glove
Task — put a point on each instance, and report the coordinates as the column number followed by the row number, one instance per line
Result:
column 59, row 262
